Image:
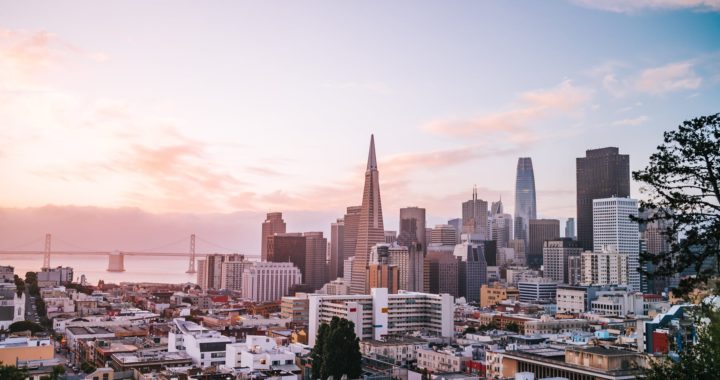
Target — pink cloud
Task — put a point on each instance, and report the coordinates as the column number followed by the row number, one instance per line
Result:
column 668, row 78
column 515, row 124
column 632, row 6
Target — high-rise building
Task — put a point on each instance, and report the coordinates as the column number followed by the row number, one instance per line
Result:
column 525, row 205
column 496, row 208
column 501, row 229
column 602, row 173
column 654, row 235
column 472, row 269
column 316, row 272
column 605, row 267
column 380, row 273
column 370, row 227
column 475, row 216
column 412, row 227
column 455, row 223
column 390, row 237
column 273, row 224
column 231, row 274
column 444, row 234
column 210, row 275
column 409, row 261
column 612, row 225
column 352, row 222
column 441, row 270
column 288, row 247
column 556, row 254
column 269, row 281
column 537, row 289
column 540, row 231
column 520, row 251
column 337, row 249
column 570, row 228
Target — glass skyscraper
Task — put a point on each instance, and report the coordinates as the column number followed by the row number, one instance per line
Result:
column 525, row 206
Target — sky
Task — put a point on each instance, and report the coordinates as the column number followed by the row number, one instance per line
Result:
column 213, row 111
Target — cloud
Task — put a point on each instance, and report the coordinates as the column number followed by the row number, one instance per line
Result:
column 516, row 124
column 673, row 77
column 633, row 6
column 631, row 121
column 376, row 87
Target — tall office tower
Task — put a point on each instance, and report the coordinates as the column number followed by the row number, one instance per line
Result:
column 370, row 228
column 570, row 228
column 496, row 208
column 288, row 247
column 490, row 250
column 273, row 224
column 475, row 216
column 502, row 229
column 201, row 275
column 390, row 237
column 444, row 234
column 525, row 206
column 605, row 267
column 612, row 226
column 457, row 225
column 602, row 173
column 409, row 262
column 212, row 269
column 656, row 242
column 441, row 269
column 540, row 230
column 520, row 251
column 574, row 269
column 337, row 252
column 472, row 270
column 352, row 222
column 556, row 254
column 232, row 272
column 267, row 281
column 316, row 272
column 381, row 273
column 412, row 227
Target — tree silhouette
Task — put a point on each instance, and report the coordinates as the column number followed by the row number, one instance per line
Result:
column 336, row 351
column 682, row 185
column 10, row 372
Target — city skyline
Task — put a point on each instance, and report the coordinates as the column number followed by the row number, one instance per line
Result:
column 113, row 128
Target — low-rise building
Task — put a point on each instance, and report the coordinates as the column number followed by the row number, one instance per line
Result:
column 145, row 362
column 15, row 348
column 206, row 347
column 12, row 306
column 442, row 360
column 491, row 295
column 398, row 351
column 537, row 289
column 296, row 309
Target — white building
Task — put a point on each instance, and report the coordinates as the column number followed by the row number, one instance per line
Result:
column 537, row 289
column 605, row 267
column 410, row 266
column 612, row 226
column 206, row 347
column 618, row 303
column 261, row 353
column 379, row 314
column 12, row 307
column 231, row 274
column 267, row 281
column 55, row 276
column 572, row 299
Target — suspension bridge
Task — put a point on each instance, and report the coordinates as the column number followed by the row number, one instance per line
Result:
column 115, row 257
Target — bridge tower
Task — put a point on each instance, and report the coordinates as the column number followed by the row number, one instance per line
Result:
column 191, row 267
column 46, row 256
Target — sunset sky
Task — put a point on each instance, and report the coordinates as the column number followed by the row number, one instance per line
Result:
column 196, row 108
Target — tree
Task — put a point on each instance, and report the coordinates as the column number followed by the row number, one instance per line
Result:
column 10, row 372
column 317, row 351
column 512, row 326
column 336, row 351
column 682, row 185
column 87, row 367
column 25, row 326
column 341, row 354
column 19, row 285
column 56, row 373
column 696, row 361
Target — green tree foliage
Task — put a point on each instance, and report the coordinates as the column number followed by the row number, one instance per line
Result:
column 87, row 367
column 337, row 351
column 682, row 187
column 318, row 350
column 698, row 361
column 20, row 285
column 25, row 326
column 10, row 372
column 512, row 326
